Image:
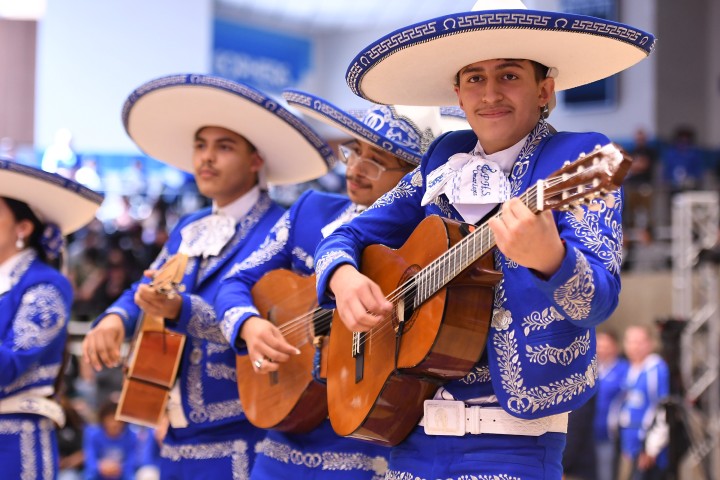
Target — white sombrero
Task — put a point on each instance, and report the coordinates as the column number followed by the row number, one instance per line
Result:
column 53, row 199
column 416, row 65
column 163, row 115
column 404, row 131
column 453, row 118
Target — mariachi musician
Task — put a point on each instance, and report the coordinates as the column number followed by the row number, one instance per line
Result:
column 387, row 142
column 36, row 209
column 233, row 138
column 561, row 270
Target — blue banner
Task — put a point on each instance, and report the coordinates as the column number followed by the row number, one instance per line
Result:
column 268, row 60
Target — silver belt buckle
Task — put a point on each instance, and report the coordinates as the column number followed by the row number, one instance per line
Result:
column 444, row 417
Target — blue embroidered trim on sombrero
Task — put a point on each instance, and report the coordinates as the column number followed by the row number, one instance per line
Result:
column 239, row 89
column 455, row 112
column 52, row 178
column 464, row 22
column 397, row 136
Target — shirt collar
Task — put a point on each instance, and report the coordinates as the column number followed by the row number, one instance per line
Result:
column 504, row 158
column 7, row 268
column 237, row 209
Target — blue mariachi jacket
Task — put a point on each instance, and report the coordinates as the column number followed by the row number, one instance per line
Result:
column 208, row 383
column 33, row 330
column 540, row 354
column 291, row 245
column 33, row 320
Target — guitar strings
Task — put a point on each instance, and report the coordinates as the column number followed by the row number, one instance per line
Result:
column 438, row 266
column 298, row 325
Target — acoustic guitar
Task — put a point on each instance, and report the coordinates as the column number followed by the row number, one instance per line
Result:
column 154, row 358
column 289, row 399
column 441, row 284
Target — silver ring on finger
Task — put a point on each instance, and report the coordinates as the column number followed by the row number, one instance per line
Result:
column 258, row 363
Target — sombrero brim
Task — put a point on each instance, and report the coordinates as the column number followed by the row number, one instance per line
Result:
column 162, row 117
column 329, row 114
column 416, row 65
column 53, row 198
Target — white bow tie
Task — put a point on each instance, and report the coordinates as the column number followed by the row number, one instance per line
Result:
column 207, row 236
column 468, row 179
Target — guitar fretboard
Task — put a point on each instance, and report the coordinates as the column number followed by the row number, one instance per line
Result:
column 460, row 256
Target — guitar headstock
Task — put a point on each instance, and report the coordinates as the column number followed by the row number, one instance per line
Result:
column 167, row 279
column 592, row 175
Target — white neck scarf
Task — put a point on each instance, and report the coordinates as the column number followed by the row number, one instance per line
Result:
column 207, row 236
column 474, row 182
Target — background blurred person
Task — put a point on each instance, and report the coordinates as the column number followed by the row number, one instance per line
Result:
column 646, row 384
column 612, row 369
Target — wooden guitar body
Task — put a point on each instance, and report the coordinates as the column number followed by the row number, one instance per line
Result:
column 289, row 399
column 441, row 285
column 154, row 357
column 379, row 397
column 151, row 374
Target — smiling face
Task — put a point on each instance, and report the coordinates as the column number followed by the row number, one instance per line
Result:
column 502, row 99
column 361, row 188
column 226, row 165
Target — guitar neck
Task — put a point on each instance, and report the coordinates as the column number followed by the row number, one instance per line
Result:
column 460, row 256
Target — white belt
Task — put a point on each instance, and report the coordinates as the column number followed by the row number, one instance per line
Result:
column 175, row 412
column 453, row 417
column 33, row 402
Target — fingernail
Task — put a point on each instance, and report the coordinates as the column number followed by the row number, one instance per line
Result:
column 297, row 351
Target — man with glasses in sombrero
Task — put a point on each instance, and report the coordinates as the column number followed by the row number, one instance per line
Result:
column 387, row 142
column 560, row 270
column 234, row 139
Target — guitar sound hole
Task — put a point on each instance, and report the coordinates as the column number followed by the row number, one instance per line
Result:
column 405, row 309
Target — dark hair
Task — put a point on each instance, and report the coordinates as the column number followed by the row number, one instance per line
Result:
column 22, row 211
column 251, row 147
column 107, row 409
column 541, row 72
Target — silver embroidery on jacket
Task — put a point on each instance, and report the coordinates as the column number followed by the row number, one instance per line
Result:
column 564, row 356
column 40, row 318
column 273, row 243
column 479, row 374
column 540, row 320
column 587, row 226
column 33, row 375
column 401, row 190
column 576, row 295
column 232, row 317
column 327, row 259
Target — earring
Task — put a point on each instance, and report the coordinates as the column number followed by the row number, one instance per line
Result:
column 20, row 243
column 545, row 112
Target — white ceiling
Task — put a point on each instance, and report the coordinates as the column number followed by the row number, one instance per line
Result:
column 330, row 15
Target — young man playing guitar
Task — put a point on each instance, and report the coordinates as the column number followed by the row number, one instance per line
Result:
column 232, row 138
column 387, row 143
column 561, row 270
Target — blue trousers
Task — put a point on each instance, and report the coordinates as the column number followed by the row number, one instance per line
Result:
column 319, row 454
column 477, row 457
column 227, row 454
column 28, row 447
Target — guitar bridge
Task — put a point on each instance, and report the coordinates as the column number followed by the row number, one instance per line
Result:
column 358, row 352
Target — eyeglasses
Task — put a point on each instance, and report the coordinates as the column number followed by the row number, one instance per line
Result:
column 369, row 169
